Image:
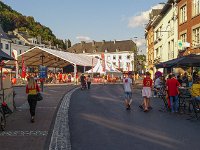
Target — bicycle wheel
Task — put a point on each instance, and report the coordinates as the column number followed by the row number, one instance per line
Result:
column 2, row 121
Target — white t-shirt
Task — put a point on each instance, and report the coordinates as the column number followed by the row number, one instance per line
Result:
column 127, row 84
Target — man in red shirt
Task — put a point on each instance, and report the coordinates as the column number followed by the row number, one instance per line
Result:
column 172, row 87
column 146, row 91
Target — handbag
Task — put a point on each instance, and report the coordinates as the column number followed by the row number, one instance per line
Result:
column 5, row 108
column 39, row 97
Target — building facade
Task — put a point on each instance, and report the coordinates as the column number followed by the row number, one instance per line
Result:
column 162, row 35
column 189, row 26
column 119, row 54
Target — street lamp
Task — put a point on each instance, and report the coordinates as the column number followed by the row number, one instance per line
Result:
column 41, row 72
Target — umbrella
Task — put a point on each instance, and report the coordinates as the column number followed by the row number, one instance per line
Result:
column 4, row 56
column 185, row 61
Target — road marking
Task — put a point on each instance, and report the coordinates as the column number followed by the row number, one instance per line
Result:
column 23, row 133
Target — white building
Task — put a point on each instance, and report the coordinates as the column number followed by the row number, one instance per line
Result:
column 120, row 54
column 166, row 33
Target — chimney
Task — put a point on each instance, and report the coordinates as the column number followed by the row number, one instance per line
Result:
column 93, row 43
column 115, row 41
column 82, row 43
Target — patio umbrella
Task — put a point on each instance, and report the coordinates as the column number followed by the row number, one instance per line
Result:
column 185, row 61
column 3, row 56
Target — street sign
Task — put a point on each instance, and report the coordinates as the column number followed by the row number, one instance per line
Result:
column 42, row 71
column 180, row 44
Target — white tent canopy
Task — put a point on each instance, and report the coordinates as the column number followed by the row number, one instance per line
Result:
column 53, row 58
column 98, row 68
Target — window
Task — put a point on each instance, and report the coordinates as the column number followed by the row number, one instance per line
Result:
column 196, row 7
column 184, row 37
column 196, row 37
column 114, row 57
column 7, row 46
column 20, row 51
column 169, row 47
column 183, row 14
column 120, row 57
column 128, row 56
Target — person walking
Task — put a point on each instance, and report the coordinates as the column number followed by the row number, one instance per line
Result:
column 172, row 87
column 83, row 82
column 146, row 91
column 127, row 82
column 32, row 89
column 89, row 81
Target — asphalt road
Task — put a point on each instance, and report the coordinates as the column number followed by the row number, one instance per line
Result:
column 98, row 120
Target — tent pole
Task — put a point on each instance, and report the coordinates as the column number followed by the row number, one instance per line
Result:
column 75, row 74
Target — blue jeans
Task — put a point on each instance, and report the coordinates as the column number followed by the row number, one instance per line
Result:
column 174, row 103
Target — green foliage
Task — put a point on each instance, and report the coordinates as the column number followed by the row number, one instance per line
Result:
column 11, row 20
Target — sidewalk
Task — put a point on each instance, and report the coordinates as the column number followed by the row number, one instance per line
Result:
column 20, row 134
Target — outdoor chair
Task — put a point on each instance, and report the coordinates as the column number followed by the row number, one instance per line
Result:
column 162, row 95
column 196, row 108
column 184, row 99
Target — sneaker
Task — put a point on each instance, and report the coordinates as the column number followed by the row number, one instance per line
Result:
column 32, row 119
column 141, row 106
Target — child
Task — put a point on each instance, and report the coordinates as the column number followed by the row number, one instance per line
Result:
column 146, row 91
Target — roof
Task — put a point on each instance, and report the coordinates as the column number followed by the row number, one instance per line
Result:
column 3, row 35
column 53, row 58
column 98, row 47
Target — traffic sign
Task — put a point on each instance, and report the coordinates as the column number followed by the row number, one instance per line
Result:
column 180, row 44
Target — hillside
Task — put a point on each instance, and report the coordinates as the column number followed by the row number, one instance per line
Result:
column 11, row 20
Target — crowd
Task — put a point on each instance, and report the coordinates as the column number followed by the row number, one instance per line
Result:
column 169, row 85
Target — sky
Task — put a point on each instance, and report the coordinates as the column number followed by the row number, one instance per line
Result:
column 87, row 20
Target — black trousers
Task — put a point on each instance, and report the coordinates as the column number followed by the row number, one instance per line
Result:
column 88, row 84
column 32, row 100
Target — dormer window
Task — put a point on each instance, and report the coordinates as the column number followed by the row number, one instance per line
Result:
column 106, row 50
column 117, row 50
column 94, row 51
column 83, row 51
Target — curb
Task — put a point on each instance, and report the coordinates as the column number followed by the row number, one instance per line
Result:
column 60, row 138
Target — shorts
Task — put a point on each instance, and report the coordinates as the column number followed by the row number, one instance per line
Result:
column 146, row 92
column 128, row 95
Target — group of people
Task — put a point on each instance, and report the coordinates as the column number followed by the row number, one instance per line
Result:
column 170, row 85
column 146, row 91
column 85, row 81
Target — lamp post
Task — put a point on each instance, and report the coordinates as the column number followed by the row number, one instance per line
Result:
column 41, row 72
column 135, row 55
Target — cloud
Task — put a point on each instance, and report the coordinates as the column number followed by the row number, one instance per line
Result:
column 140, row 42
column 83, row 38
column 142, row 18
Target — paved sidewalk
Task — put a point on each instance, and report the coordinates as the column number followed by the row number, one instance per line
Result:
column 20, row 134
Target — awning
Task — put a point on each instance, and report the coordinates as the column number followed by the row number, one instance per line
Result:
column 4, row 56
column 185, row 61
column 53, row 58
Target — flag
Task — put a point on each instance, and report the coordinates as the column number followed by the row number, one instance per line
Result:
column 23, row 68
column 92, row 64
column 119, row 64
column 103, row 62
